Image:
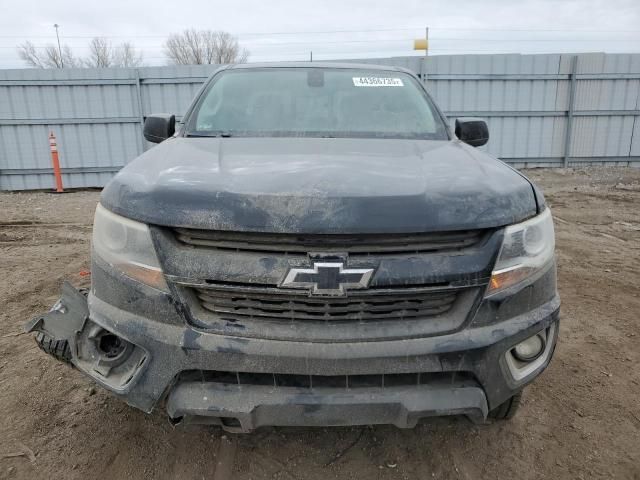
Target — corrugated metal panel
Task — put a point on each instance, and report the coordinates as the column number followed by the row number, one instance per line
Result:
column 607, row 136
column 607, row 94
column 525, row 137
column 494, row 95
column 96, row 113
column 610, row 133
column 93, row 113
column 634, row 149
column 512, row 137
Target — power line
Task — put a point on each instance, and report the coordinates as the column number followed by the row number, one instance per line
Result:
column 372, row 30
column 572, row 30
column 434, row 39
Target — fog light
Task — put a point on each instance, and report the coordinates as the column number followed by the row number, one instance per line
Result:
column 529, row 349
column 108, row 357
column 111, row 346
column 106, row 350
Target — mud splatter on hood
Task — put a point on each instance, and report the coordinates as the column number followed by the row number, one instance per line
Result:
column 308, row 185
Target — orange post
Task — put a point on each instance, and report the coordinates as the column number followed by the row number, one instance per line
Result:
column 56, row 162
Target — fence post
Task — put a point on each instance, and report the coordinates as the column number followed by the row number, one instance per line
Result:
column 572, row 94
column 140, row 113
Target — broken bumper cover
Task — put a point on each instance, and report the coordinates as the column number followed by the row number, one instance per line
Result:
column 146, row 368
column 66, row 318
column 108, row 358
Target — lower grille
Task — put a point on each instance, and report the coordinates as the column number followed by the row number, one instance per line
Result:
column 263, row 304
column 386, row 380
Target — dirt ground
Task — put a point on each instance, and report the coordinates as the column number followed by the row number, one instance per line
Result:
column 580, row 420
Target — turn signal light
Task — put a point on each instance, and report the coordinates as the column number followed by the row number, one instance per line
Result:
column 502, row 279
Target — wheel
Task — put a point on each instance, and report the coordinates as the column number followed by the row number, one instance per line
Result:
column 58, row 349
column 506, row 410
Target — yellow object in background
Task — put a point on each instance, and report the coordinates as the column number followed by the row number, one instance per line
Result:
column 421, row 44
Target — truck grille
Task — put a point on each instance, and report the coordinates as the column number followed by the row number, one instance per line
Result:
column 352, row 244
column 266, row 303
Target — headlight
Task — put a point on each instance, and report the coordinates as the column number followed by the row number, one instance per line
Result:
column 126, row 245
column 526, row 249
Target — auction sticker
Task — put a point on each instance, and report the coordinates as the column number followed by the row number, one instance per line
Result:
column 377, row 82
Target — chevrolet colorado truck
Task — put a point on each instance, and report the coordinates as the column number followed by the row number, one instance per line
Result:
column 312, row 245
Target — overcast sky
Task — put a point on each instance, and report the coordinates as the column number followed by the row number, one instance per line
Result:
column 289, row 29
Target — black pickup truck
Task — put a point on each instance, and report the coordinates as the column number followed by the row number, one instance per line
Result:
column 312, row 245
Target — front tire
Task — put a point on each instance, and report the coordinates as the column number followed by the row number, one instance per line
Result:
column 59, row 349
column 506, row 410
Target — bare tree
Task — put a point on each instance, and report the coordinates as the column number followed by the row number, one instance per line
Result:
column 196, row 47
column 227, row 49
column 128, row 56
column 102, row 54
column 27, row 52
column 48, row 57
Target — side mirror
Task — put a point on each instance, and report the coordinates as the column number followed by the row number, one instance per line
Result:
column 159, row 127
column 473, row 131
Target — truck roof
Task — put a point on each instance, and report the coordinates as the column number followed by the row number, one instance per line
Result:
column 343, row 65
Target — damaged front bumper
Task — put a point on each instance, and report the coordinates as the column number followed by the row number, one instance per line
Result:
column 145, row 361
column 65, row 319
column 108, row 358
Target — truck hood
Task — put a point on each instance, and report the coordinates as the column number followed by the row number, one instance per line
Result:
column 319, row 185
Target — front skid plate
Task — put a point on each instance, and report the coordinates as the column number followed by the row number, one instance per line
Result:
column 256, row 406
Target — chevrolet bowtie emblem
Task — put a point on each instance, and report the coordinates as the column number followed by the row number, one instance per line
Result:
column 328, row 278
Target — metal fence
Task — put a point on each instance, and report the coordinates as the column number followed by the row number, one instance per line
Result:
column 542, row 110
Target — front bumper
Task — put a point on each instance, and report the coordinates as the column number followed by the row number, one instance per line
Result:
column 159, row 352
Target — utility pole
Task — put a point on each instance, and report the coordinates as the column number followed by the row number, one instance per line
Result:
column 55, row 25
column 426, row 55
column 311, row 56
column 423, row 44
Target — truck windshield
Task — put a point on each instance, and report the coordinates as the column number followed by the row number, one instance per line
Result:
column 315, row 102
